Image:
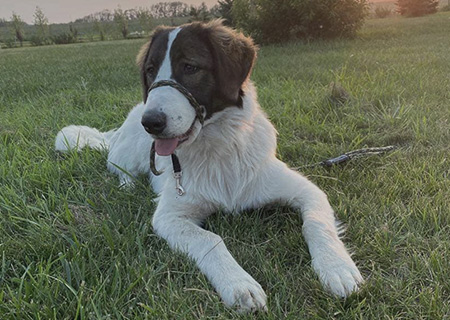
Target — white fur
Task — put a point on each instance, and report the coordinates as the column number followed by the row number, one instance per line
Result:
column 180, row 114
column 78, row 137
column 228, row 164
column 165, row 71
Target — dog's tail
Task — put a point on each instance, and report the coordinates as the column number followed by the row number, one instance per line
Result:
column 77, row 137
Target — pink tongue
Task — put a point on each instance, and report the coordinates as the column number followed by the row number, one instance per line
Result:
column 165, row 147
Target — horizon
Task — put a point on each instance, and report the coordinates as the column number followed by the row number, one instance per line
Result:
column 65, row 11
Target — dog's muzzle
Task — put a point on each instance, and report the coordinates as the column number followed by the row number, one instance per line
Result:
column 199, row 109
column 199, row 115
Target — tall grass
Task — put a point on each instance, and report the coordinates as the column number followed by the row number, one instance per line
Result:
column 74, row 245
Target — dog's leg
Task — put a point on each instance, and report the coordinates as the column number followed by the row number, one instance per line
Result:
column 330, row 259
column 178, row 224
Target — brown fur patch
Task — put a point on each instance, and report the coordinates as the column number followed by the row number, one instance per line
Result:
column 140, row 59
column 235, row 56
column 142, row 55
column 223, row 56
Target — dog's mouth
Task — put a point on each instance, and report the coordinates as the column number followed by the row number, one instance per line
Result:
column 167, row 146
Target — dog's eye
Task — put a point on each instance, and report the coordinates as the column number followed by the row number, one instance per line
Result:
column 190, row 69
column 150, row 69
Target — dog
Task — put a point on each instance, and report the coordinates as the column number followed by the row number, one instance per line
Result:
column 227, row 155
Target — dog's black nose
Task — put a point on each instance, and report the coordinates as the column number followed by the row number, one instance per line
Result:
column 154, row 122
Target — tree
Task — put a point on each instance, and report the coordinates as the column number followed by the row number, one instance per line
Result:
column 41, row 23
column 73, row 32
column 160, row 10
column 382, row 12
column 17, row 27
column 200, row 13
column 121, row 19
column 145, row 19
column 169, row 9
column 102, row 16
column 417, row 8
column 204, row 12
column 270, row 21
column 225, row 11
column 99, row 26
column 177, row 8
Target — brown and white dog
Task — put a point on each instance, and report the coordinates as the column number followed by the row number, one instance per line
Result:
column 228, row 162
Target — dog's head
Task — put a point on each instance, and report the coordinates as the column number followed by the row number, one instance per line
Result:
column 210, row 60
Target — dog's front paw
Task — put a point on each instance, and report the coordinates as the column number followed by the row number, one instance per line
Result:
column 341, row 276
column 244, row 294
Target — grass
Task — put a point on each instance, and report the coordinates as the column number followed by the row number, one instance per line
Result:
column 73, row 245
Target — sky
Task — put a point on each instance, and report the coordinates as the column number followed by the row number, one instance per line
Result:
column 63, row 11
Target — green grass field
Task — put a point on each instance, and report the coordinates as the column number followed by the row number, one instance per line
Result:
column 73, row 245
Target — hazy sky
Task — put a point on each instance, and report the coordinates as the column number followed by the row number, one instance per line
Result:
column 58, row 11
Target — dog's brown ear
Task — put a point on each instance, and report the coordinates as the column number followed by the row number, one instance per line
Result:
column 234, row 56
column 142, row 55
column 140, row 61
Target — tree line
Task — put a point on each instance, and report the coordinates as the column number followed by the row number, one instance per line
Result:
column 158, row 10
column 267, row 21
column 137, row 22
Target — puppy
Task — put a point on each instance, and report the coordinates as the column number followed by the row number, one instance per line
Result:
column 226, row 150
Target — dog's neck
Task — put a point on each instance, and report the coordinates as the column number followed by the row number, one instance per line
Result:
column 219, row 130
column 232, row 147
column 233, row 132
